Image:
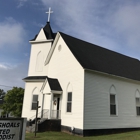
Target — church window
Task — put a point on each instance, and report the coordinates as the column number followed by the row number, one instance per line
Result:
column 34, row 102
column 69, row 101
column 113, row 105
column 69, row 98
column 34, row 98
column 138, row 103
column 39, row 62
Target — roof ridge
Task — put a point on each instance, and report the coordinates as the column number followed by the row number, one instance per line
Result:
column 98, row 46
column 97, row 58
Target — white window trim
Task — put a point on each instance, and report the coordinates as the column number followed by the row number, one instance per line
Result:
column 116, row 101
column 32, row 102
column 68, row 89
column 67, row 102
column 137, row 91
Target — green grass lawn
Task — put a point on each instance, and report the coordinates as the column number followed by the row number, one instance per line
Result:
column 135, row 135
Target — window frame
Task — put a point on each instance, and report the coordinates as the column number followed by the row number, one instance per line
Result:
column 112, row 92
column 114, row 111
column 137, row 101
column 69, row 102
column 34, row 102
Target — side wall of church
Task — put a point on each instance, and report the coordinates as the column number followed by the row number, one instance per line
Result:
column 64, row 66
column 97, row 102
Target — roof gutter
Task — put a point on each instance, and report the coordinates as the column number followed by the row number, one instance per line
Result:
column 112, row 75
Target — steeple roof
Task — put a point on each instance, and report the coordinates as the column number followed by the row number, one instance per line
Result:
column 48, row 31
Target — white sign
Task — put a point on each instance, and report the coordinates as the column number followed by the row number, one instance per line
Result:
column 11, row 129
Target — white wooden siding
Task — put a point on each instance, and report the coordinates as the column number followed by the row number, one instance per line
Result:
column 41, row 35
column 28, row 95
column 42, row 45
column 97, row 102
column 66, row 69
column 35, row 49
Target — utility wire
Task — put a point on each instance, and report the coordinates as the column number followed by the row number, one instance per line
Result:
column 6, row 86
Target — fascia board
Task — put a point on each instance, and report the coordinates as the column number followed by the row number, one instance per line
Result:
column 43, row 85
column 40, row 41
column 56, row 92
column 52, row 49
column 34, row 80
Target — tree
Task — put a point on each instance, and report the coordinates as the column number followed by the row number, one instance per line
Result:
column 13, row 101
column 2, row 93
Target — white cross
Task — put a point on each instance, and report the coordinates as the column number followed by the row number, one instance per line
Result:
column 49, row 13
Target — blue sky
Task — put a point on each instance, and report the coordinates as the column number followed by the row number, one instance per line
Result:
column 113, row 24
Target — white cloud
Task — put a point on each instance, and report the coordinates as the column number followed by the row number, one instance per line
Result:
column 21, row 3
column 13, row 76
column 12, row 40
column 40, row 25
column 12, row 33
column 126, row 22
column 80, row 19
column 111, row 24
column 7, row 66
column 26, row 54
column 35, row 4
column 3, row 67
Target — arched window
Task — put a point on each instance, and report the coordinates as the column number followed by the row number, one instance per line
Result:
column 69, row 98
column 137, row 96
column 39, row 62
column 113, row 105
column 34, row 99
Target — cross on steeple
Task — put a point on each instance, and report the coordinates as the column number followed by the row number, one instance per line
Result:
column 49, row 13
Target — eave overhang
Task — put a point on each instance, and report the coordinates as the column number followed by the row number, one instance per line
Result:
column 35, row 78
column 40, row 41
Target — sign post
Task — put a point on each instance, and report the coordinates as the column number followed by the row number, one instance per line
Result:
column 36, row 116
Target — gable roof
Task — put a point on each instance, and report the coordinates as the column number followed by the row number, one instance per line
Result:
column 93, row 57
column 54, row 84
column 51, row 85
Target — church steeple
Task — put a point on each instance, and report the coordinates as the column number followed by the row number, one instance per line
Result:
column 48, row 31
column 40, row 47
column 48, row 34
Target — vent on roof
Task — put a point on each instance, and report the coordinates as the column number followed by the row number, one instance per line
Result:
column 59, row 48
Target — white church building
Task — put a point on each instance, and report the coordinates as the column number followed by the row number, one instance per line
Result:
column 90, row 88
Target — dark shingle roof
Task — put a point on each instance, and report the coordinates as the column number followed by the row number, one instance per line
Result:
column 96, row 58
column 48, row 31
column 34, row 38
column 54, row 84
column 35, row 78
